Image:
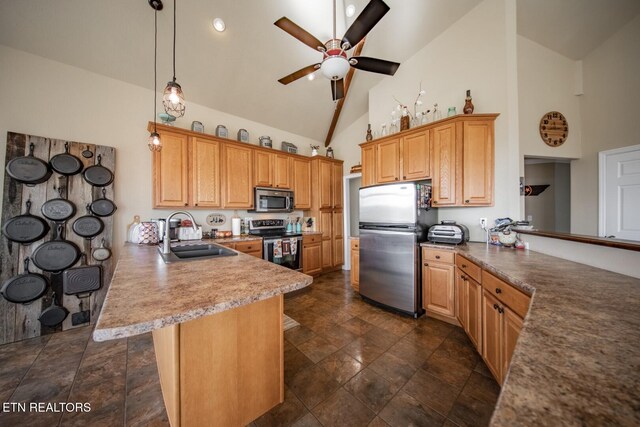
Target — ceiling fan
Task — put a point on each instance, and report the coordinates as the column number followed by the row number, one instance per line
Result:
column 335, row 62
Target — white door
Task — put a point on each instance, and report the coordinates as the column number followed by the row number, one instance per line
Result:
column 620, row 193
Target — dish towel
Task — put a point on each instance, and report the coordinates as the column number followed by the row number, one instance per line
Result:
column 294, row 246
column 286, row 247
column 277, row 248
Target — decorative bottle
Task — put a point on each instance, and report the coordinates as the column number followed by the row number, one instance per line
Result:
column 468, row 105
column 369, row 136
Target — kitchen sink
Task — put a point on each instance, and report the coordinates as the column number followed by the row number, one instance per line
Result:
column 195, row 252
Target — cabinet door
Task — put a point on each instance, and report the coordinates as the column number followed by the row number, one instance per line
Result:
column 336, row 179
column 282, row 171
column 327, row 255
column 312, row 259
column 415, row 157
column 461, row 299
column 301, row 170
column 444, row 165
column 338, row 252
column 326, row 222
column 205, row 169
column 492, row 335
column 171, row 171
column 512, row 327
column 477, row 170
column 337, row 222
column 388, row 161
column 237, row 170
column 263, row 168
column 438, row 288
column 368, row 165
column 325, row 184
column 355, row 269
column 473, row 308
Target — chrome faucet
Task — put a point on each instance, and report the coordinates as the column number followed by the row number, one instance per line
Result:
column 166, row 244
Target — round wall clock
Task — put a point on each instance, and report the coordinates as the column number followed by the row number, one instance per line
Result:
column 554, row 129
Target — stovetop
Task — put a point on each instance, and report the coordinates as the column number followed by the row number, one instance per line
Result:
column 275, row 234
column 271, row 228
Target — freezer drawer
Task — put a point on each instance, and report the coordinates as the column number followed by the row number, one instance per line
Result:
column 389, row 269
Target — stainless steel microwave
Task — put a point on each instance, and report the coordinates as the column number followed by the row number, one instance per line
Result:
column 271, row 200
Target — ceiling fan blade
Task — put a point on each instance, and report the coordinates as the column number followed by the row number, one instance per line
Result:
column 367, row 19
column 299, row 33
column 374, row 65
column 337, row 89
column 299, row 74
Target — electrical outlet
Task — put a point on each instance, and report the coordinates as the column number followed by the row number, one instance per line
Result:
column 483, row 222
column 530, row 218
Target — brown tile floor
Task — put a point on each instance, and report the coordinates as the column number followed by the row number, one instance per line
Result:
column 347, row 364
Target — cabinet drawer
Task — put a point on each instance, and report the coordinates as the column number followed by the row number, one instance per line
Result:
column 314, row 238
column 507, row 294
column 252, row 246
column 228, row 245
column 469, row 268
column 437, row 255
column 355, row 244
column 257, row 254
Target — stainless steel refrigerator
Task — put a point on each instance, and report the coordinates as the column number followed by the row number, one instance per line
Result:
column 392, row 225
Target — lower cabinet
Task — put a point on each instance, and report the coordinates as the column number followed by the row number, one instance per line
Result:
column 355, row 264
column 312, row 254
column 438, row 284
column 469, row 307
column 251, row 247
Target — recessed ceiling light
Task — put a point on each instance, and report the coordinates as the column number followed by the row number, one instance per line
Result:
column 311, row 76
column 218, row 24
column 350, row 11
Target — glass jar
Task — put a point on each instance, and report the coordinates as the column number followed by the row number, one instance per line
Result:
column 451, row 112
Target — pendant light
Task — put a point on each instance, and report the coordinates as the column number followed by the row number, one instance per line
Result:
column 173, row 98
column 155, row 144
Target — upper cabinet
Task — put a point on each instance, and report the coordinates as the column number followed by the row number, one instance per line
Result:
column 272, row 170
column 205, row 173
column 237, row 166
column 456, row 153
column 282, row 171
column 171, row 171
column 336, row 179
column 301, row 176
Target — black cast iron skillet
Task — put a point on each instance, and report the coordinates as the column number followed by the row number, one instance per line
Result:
column 66, row 164
column 25, row 287
column 83, row 279
column 25, row 228
column 98, row 175
column 103, row 206
column 54, row 314
column 59, row 209
column 88, row 226
column 56, row 254
column 29, row 170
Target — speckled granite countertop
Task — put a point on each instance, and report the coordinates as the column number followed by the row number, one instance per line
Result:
column 147, row 294
column 577, row 361
column 232, row 239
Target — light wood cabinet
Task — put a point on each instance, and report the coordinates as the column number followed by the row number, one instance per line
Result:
column 492, row 335
column 438, row 288
column 282, row 171
column 355, row 264
column 460, row 296
column 336, row 221
column 263, row 165
column 388, row 161
column 324, row 184
column 473, row 307
column 301, row 171
column 327, row 255
column 336, row 180
column 369, row 165
column 477, row 163
column 326, row 224
column 312, row 254
column 251, row 247
column 338, row 252
column 512, row 325
column 445, row 156
column 205, row 173
column 237, row 168
column 416, row 157
column 171, row 171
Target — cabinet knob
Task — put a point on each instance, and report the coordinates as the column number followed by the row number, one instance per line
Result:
column 498, row 291
column 500, row 310
column 435, row 202
column 437, row 256
column 426, row 264
column 463, row 277
column 186, row 204
column 196, row 204
column 464, row 265
column 466, row 201
column 396, row 179
column 404, row 177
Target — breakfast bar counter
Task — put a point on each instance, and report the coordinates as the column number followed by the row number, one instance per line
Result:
column 217, row 330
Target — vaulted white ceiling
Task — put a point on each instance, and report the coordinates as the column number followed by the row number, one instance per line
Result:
column 237, row 71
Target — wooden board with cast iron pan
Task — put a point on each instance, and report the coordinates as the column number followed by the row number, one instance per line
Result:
column 53, row 315
column 29, row 169
column 66, row 164
column 57, row 254
column 88, row 226
column 25, row 228
column 83, row 279
column 59, row 209
column 26, row 287
column 98, row 175
column 103, row 206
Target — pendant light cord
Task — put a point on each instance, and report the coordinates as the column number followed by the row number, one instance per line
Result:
column 334, row 19
column 174, row 40
column 155, row 69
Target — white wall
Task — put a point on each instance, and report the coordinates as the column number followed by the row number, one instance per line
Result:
column 546, row 82
column 609, row 109
column 476, row 53
column 55, row 100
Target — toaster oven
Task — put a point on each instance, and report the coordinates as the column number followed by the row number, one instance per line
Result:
column 448, row 232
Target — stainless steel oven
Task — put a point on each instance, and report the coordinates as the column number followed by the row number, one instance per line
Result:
column 272, row 200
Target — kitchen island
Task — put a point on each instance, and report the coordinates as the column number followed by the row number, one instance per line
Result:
column 217, row 330
column 577, row 360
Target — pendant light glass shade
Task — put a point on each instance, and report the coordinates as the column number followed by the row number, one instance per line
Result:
column 155, row 144
column 173, row 99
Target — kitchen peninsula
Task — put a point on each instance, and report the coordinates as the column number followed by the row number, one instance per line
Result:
column 217, row 330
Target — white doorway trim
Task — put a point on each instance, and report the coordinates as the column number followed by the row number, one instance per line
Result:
column 602, row 170
column 346, row 218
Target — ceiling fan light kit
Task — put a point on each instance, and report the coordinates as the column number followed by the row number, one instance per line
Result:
column 335, row 62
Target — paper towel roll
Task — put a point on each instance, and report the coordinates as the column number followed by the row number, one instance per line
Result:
column 235, row 226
